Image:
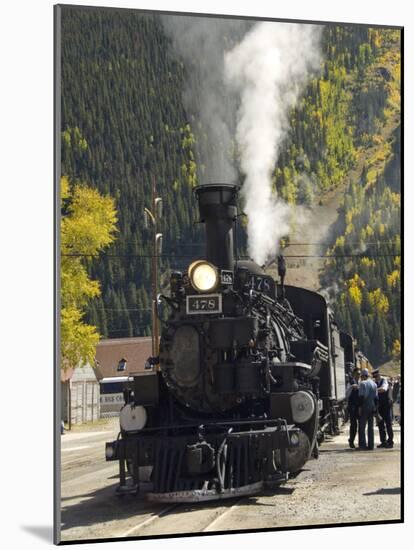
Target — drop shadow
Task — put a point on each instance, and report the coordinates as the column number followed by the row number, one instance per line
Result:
column 294, row 475
column 385, row 491
column 336, row 451
column 42, row 532
column 101, row 506
column 278, row 491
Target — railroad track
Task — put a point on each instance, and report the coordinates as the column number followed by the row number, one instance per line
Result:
column 213, row 524
column 134, row 531
column 199, row 517
column 159, row 523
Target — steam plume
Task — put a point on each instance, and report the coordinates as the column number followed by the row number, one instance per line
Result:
column 269, row 69
column 247, row 92
column 200, row 42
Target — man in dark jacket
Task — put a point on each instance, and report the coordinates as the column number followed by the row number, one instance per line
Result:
column 352, row 395
column 384, row 410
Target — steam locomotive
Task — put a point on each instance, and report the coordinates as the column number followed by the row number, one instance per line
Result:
column 250, row 375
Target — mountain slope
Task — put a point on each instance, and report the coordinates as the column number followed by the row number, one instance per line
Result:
column 124, row 123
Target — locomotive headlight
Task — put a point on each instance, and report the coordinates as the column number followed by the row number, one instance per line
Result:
column 204, row 276
column 132, row 419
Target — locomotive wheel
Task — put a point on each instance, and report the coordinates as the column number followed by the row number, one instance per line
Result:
column 296, row 457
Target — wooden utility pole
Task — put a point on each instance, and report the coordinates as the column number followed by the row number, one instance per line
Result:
column 155, row 325
column 153, row 216
column 70, row 403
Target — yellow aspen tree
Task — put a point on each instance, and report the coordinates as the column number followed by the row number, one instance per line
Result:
column 88, row 225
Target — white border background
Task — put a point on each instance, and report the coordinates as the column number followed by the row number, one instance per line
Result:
column 26, row 229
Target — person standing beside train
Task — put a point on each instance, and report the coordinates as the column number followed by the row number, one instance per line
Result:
column 384, row 410
column 368, row 400
column 352, row 396
column 390, row 394
column 396, row 400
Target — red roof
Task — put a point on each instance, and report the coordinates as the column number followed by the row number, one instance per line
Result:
column 109, row 352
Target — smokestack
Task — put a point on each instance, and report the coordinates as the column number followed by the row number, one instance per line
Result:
column 218, row 210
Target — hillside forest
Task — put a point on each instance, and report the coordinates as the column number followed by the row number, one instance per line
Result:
column 125, row 126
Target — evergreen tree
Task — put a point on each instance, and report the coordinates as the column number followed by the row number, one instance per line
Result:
column 124, row 123
column 377, row 349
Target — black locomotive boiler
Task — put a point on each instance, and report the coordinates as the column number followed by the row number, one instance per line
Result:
column 248, row 377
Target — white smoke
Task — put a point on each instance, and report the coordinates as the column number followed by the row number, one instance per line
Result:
column 200, row 42
column 269, row 69
column 330, row 293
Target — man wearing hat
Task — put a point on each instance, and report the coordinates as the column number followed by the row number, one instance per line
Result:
column 384, row 410
column 368, row 398
column 352, row 396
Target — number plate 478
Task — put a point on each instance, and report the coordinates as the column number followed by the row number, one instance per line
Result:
column 203, row 304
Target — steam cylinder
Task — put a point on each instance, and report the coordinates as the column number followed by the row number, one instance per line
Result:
column 218, row 210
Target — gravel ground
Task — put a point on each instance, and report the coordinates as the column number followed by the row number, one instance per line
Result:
column 342, row 486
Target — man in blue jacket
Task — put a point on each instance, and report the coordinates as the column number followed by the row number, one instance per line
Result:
column 368, row 402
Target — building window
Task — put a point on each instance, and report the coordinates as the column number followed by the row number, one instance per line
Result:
column 122, row 365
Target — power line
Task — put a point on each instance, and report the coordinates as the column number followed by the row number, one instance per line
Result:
column 111, row 331
column 339, row 256
column 176, row 257
column 122, row 309
column 109, row 255
column 359, row 243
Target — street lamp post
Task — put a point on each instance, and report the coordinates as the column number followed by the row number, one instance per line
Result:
column 152, row 217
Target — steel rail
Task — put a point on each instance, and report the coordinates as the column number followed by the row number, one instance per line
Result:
column 149, row 520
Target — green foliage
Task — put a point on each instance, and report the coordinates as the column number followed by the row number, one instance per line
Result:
column 369, row 283
column 189, row 167
column 369, row 288
column 124, row 123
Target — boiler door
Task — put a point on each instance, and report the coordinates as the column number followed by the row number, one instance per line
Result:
column 185, row 355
